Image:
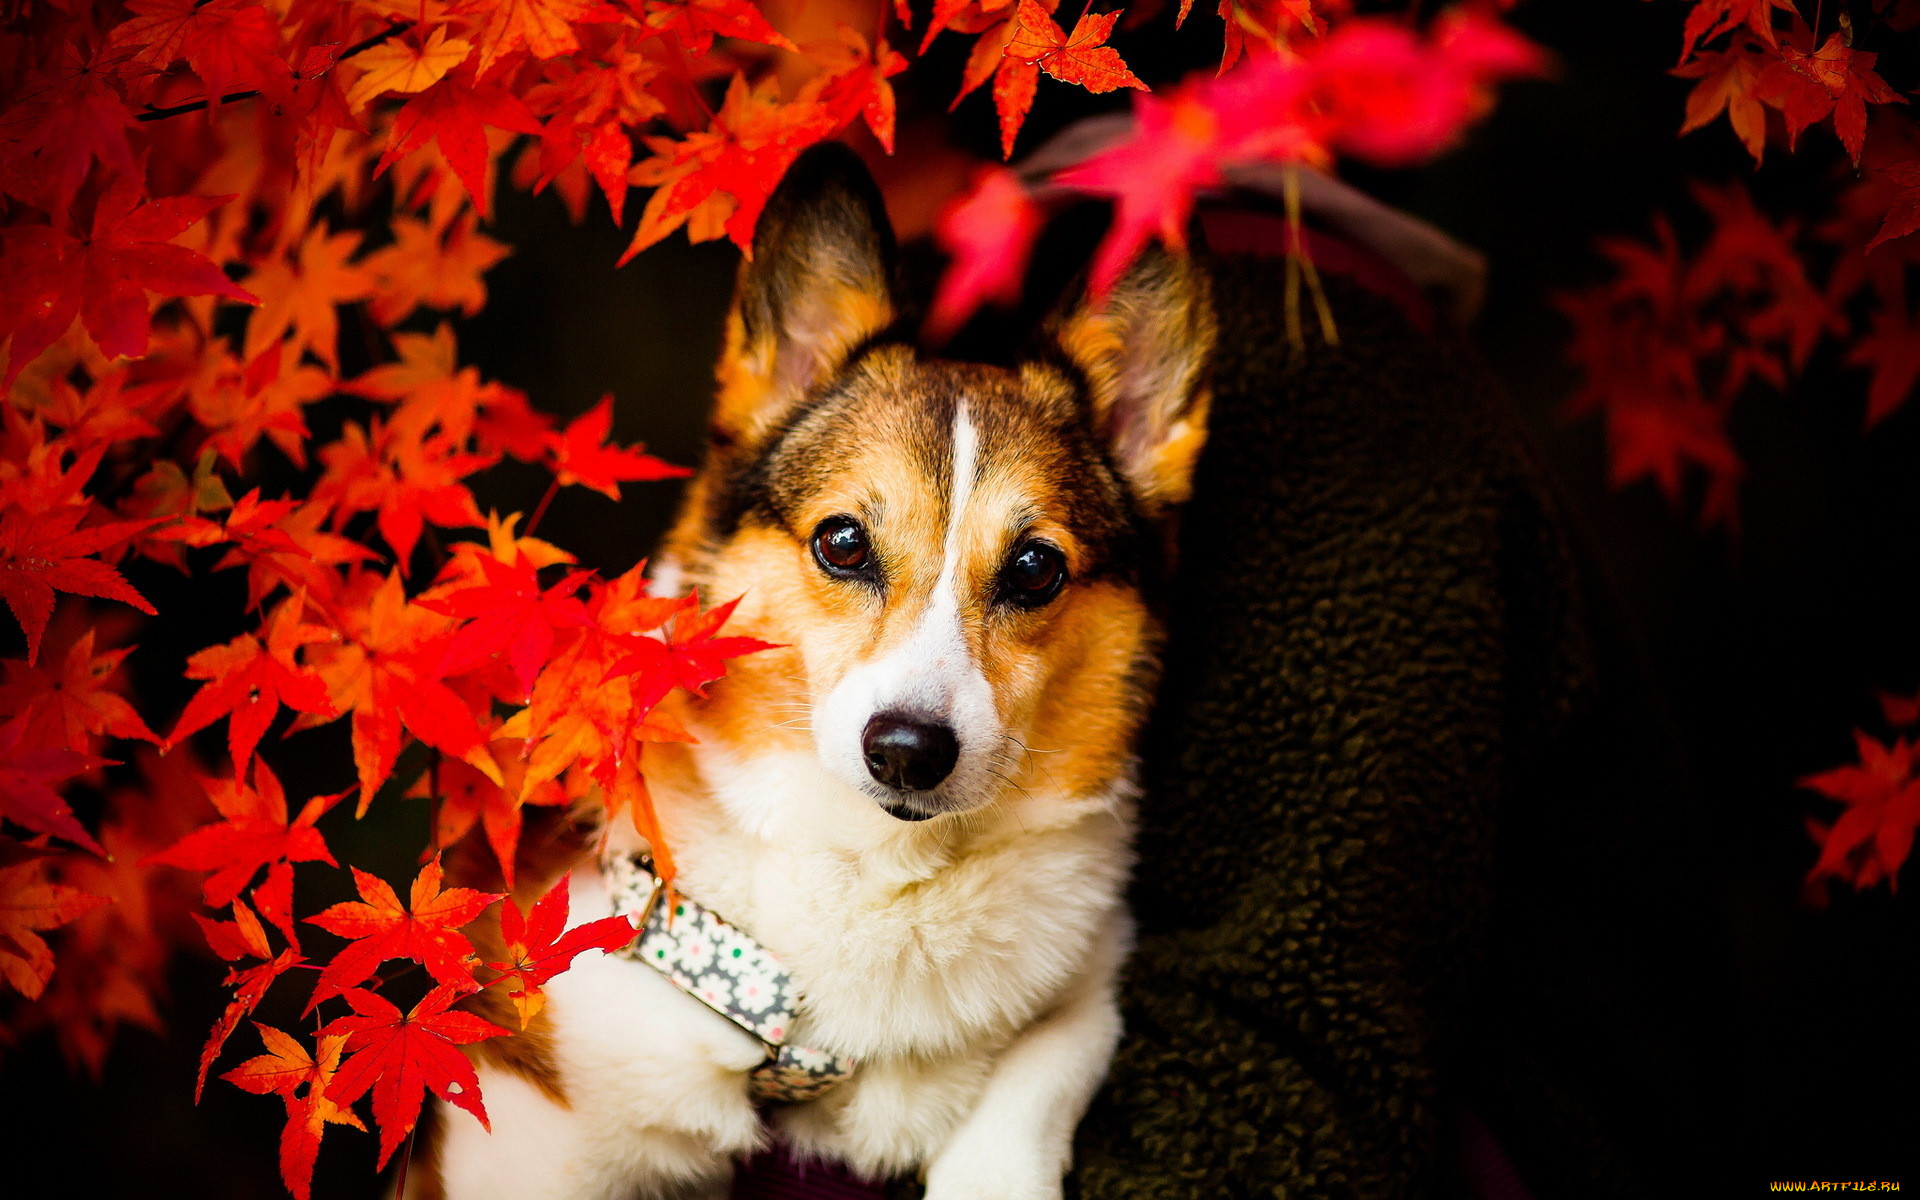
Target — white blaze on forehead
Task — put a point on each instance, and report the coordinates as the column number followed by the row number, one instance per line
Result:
column 931, row 674
column 966, row 445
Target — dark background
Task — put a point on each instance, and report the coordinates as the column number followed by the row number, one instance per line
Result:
column 1767, row 647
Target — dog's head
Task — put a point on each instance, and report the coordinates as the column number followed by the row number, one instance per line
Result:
column 952, row 554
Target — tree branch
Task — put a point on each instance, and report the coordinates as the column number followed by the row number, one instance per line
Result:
column 359, row 47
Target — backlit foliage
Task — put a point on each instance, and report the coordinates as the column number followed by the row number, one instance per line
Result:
column 200, row 198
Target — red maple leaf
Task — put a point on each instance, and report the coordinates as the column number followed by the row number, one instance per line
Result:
column 1870, row 840
column 1153, row 178
column 104, row 279
column 406, row 481
column 1891, row 348
column 27, row 776
column 41, row 553
column 698, row 22
column 232, row 940
column 1903, row 209
column 1081, row 57
column 67, row 115
column 467, row 798
column 282, row 1071
column 253, row 833
column 510, row 616
column 399, row 1057
column 581, row 455
column 248, row 680
column 687, row 654
column 1834, row 81
column 540, row 946
column 455, row 113
column 589, row 106
column 379, row 928
column 387, row 674
column 1395, row 99
column 989, row 233
column 1711, row 18
column 1729, row 83
column 228, row 43
column 717, row 180
column 29, row 906
column 71, row 706
column 1033, row 42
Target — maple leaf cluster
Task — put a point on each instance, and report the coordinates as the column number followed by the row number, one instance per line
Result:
column 226, row 224
column 1670, row 343
column 1372, row 89
column 1879, row 799
column 195, row 200
column 1668, row 346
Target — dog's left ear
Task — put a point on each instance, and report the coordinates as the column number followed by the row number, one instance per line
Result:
column 818, row 284
column 1145, row 350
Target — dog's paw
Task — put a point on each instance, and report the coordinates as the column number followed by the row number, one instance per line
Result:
column 983, row 1175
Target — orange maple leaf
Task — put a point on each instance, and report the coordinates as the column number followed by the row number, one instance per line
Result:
column 406, row 481
column 283, row 1070
column 1082, row 57
column 716, row 181
column 698, row 22
column 241, row 937
column 303, row 297
column 1729, row 83
column 427, row 266
column 544, row 27
column 29, row 906
column 467, row 797
column 435, row 392
column 856, row 87
column 405, row 64
column 266, row 397
column 249, row 679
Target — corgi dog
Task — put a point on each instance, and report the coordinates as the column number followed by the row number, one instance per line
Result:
column 921, row 802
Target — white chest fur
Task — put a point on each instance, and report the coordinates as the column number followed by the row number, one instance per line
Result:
column 968, row 963
column 922, row 950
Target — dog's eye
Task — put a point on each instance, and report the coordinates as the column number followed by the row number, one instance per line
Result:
column 840, row 546
column 1033, row 575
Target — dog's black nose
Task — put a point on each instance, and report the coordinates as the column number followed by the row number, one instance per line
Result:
column 912, row 756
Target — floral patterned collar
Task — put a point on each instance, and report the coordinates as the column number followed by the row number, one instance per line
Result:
column 724, row 968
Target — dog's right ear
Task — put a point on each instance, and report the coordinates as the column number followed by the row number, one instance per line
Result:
column 819, row 283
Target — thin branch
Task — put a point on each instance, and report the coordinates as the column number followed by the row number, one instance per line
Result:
column 191, row 106
column 541, row 509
